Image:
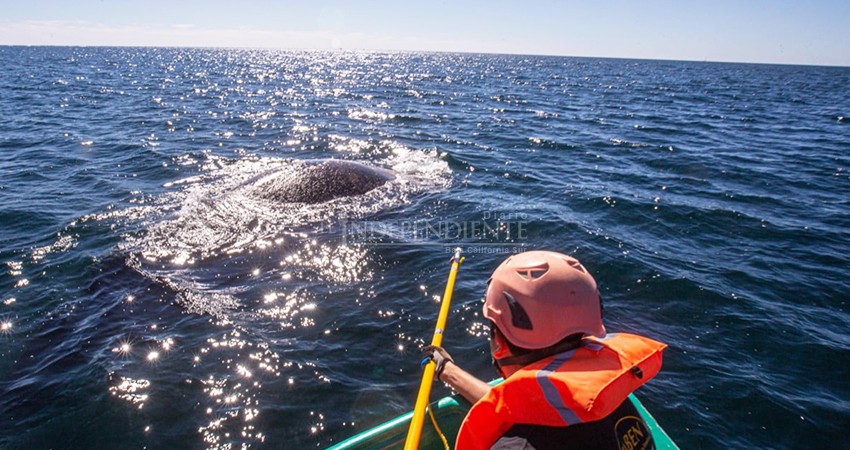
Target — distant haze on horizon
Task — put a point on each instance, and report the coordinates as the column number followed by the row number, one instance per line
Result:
column 782, row 32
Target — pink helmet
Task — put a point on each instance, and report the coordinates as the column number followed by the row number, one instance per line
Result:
column 538, row 298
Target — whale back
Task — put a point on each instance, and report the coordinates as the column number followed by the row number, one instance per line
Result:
column 321, row 182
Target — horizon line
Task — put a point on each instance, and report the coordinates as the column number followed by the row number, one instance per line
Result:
column 444, row 52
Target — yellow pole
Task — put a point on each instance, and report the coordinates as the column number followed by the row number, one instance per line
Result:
column 414, row 433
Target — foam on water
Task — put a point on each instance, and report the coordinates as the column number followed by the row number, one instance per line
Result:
column 213, row 217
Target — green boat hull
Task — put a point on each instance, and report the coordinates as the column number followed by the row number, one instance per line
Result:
column 450, row 412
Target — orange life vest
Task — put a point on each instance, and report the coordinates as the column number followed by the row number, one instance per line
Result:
column 581, row 385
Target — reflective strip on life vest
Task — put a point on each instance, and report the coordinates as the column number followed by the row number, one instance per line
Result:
column 550, row 392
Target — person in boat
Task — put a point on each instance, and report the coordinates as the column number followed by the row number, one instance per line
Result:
column 566, row 379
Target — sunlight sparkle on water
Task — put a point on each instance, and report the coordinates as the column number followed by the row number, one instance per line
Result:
column 131, row 390
column 167, row 344
column 244, row 371
column 124, row 348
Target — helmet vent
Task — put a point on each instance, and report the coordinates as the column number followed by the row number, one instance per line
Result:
column 575, row 265
column 533, row 273
column 519, row 318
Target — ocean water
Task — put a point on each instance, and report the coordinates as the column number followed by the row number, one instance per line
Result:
column 148, row 299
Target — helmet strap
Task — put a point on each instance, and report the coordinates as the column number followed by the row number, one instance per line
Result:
column 522, row 357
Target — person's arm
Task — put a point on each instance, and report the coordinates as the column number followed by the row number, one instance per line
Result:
column 466, row 384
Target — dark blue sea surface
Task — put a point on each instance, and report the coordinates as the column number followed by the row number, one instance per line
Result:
column 149, row 299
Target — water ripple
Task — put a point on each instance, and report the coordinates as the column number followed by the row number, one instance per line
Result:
column 147, row 298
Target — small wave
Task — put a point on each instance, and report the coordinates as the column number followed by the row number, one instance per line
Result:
column 550, row 144
column 63, row 243
column 367, row 115
column 543, row 114
column 624, row 143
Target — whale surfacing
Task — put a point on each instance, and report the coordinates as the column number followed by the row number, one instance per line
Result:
column 320, row 182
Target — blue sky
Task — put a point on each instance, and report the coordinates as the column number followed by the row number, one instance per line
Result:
column 779, row 31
